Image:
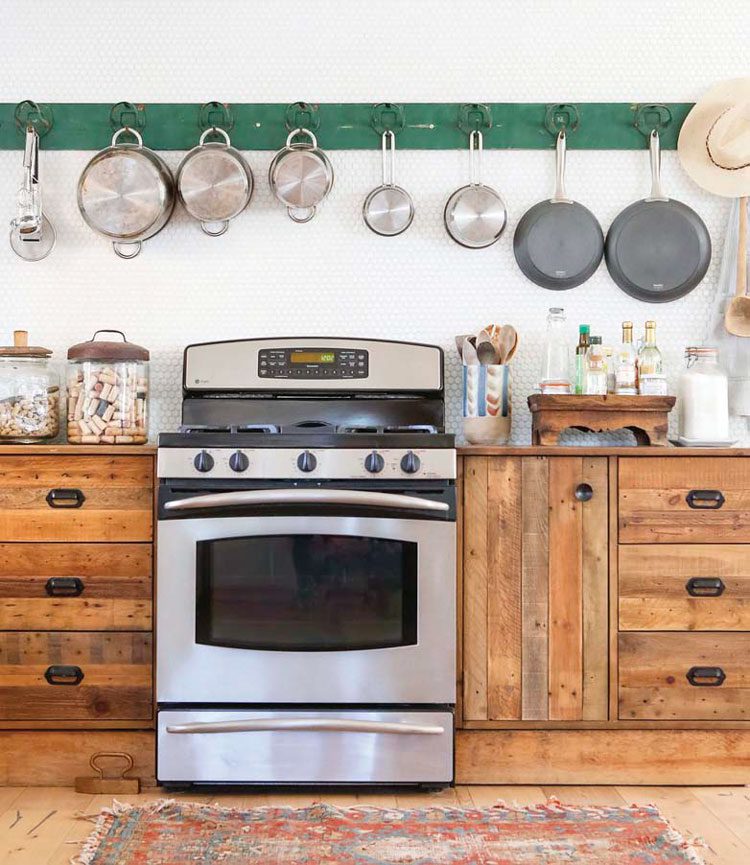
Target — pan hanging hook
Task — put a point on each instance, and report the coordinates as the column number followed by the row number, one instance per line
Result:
column 474, row 117
column 562, row 117
column 127, row 114
column 654, row 117
column 215, row 115
column 35, row 114
column 302, row 115
column 387, row 117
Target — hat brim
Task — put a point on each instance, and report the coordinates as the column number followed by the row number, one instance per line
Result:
column 691, row 145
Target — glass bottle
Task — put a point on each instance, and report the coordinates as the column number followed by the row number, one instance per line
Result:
column 651, row 381
column 555, row 372
column 626, row 379
column 581, row 349
column 703, row 401
column 596, row 368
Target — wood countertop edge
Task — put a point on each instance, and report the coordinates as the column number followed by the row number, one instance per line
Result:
column 63, row 449
column 602, row 451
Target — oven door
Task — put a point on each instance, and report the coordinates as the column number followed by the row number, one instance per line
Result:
column 305, row 608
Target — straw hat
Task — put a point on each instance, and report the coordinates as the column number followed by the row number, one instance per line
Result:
column 714, row 144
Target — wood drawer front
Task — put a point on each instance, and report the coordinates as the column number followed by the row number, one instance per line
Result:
column 653, row 683
column 38, row 591
column 654, row 507
column 690, row 587
column 116, row 682
column 118, row 503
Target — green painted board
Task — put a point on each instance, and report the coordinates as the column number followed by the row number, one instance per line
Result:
column 347, row 126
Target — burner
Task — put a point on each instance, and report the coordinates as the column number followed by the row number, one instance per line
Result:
column 187, row 429
column 412, row 428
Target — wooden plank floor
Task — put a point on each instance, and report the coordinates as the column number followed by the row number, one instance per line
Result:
column 39, row 825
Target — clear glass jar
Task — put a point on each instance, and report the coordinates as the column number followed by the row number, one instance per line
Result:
column 29, row 393
column 107, row 392
column 555, row 372
column 703, row 403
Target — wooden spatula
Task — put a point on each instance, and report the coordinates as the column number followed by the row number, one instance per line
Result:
column 737, row 315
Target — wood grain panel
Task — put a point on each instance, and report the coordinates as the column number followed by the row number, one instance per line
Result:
column 653, row 506
column 504, row 588
column 565, row 591
column 118, row 504
column 603, row 757
column 475, row 589
column 116, row 580
column 653, row 593
column 653, row 682
column 595, row 590
column 535, row 588
column 116, row 668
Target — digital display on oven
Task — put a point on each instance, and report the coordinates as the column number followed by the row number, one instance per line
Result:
column 314, row 363
column 313, row 357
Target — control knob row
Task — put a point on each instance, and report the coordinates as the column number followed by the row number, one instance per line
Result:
column 204, row 462
column 410, row 463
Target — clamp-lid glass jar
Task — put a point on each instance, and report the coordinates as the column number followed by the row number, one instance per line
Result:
column 29, row 392
column 107, row 392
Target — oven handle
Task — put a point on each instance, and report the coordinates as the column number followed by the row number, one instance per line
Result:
column 362, row 498
column 324, row 725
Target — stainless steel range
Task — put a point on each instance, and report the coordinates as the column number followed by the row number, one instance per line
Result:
column 306, row 567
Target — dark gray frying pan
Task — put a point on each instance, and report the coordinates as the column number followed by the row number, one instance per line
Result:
column 658, row 249
column 558, row 243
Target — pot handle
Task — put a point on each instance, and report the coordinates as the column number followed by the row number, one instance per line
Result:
column 127, row 129
column 223, row 226
column 307, row 214
column 118, row 247
column 215, row 130
column 300, row 131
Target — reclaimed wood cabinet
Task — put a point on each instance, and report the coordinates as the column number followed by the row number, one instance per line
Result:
column 605, row 616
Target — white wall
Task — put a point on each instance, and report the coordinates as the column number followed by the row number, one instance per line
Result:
column 268, row 276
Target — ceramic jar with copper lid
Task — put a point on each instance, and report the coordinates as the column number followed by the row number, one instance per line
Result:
column 29, row 392
column 107, row 391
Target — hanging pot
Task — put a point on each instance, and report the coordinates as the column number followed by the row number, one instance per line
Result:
column 475, row 215
column 300, row 176
column 388, row 210
column 126, row 193
column 214, row 182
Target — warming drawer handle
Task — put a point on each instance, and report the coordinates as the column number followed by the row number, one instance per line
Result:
column 707, row 500
column 64, row 587
column 329, row 725
column 705, row 587
column 706, row 677
column 357, row 498
column 65, row 498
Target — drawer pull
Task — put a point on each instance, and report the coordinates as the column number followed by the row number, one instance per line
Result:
column 707, row 500
column 65, row 498
column 706, row 677
column 64, row 587
column 584, row 492
column 705, row 587
column 61, row 675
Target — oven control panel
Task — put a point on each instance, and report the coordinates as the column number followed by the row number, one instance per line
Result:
column 313, row 363
column 313, row 463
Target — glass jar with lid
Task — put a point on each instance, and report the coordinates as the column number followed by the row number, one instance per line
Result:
column 107, row 392
column 29, row 392
column 703, row 402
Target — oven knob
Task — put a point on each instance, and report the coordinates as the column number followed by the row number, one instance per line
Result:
column 238, row 462
column 374, row 463
column 203, row 461
column 410, row 463
column 306, row 462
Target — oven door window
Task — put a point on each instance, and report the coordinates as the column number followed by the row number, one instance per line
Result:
column 314, row 593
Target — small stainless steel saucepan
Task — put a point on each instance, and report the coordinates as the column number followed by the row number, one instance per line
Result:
column 214, row 182
column 388, row 210
column 126, row 192
column 475, row 215
column 300, row 175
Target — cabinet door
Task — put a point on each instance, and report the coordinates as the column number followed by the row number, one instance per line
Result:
column 535, row 625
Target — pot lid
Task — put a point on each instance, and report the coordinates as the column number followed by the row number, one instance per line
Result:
column 21, row 348
column 104, row 349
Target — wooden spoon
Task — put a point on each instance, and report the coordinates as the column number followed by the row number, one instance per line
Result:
column 460, row 344
column 469, row 353
column 506, row 340
column 486, row 351
column 737, row 315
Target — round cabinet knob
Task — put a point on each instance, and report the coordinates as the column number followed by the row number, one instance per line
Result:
column 238, row 462
column 410, row 463
column 374, row 463
column 306, row 462
column 584, row 492
column 203, row 461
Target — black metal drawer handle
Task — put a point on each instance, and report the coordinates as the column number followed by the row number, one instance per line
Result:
column 61, row 675
column 65, row 498
column 64, row 587
column 584, row 492
column 707, row 500
column 705, row 587
column 706, row 677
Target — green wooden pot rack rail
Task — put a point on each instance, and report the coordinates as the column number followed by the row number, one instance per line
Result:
column 347, row 125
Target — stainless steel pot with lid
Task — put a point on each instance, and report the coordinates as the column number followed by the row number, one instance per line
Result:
column 126, row 193
column 214, row 182
column 300, row 175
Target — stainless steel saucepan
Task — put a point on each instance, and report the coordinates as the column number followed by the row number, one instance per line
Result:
column 388, row 210
column 475, row 215
column 214, row 182
column 126, row 193
column 300, row 175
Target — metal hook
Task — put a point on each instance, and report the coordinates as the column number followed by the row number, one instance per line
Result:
column 387, row 117
column 562, row 117
column 651, row 118
column 127, row 114
column 473, row 117
column 302, row 115
column 216, row 115
column 29, row 113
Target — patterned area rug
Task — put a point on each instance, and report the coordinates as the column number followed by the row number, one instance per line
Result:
column 171, row 833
